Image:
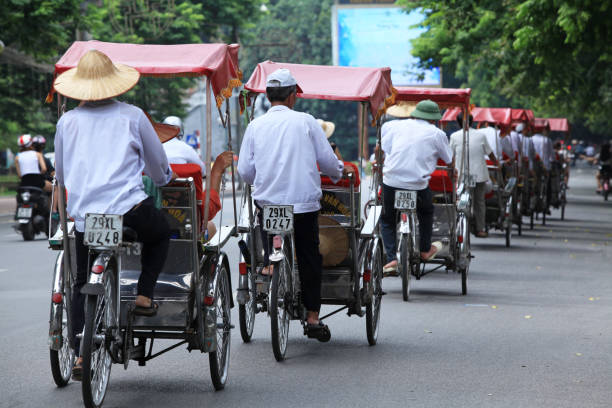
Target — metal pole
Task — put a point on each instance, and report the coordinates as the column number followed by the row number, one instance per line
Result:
column 229, row 147
column 208, row 158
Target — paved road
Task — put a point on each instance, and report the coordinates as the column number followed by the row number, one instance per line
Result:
column 533, row 331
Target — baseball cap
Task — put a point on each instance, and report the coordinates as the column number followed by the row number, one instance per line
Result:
column 281, row 78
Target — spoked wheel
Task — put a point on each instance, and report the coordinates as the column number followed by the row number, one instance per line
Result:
column 373, row 307
column 100, row 314
column 508, row 233
column 463, row 249
column 219, row 359
column 405, row 265
column 280, row 302
column 62, row 360
column 246, row 312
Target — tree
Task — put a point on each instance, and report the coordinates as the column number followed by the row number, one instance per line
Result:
column 298, row 31
column 34, row 32
column 553, row 56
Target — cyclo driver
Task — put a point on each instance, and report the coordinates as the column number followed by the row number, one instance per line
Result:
column 412, row 148
column 102, row 148
column 279, row 156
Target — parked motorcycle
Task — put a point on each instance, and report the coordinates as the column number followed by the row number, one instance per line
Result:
column 32, row 213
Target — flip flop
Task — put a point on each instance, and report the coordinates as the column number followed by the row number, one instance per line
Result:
column 77, row 371
column 318, row 331
column 147, row 311
column 390, row 270
column 438, row 246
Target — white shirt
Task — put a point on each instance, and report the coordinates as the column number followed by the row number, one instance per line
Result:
column 412, row 148
column 478, row 149
column 544, row 148
column 100, row 155
column 179, row 152
column 515, row 138
column 498, row 144
column 528, row 150
column 28, row 162
column 279, row 156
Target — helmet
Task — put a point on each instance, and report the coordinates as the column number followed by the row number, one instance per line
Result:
column 175, row 121
column 25, row 140
column 39, row 142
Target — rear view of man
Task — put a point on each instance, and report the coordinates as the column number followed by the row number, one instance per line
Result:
column 411, row 149
column 279, row 156
column 478, row 149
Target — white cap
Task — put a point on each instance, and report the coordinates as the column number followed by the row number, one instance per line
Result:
column 280, row 78
column 520, row 127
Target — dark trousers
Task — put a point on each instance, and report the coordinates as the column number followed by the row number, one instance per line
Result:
column 309, row 259
column 424, row 210
column 153, row 232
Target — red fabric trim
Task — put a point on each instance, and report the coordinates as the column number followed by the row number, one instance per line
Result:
column 326, row 181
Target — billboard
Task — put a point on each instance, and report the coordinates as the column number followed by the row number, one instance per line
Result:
column 379, row 36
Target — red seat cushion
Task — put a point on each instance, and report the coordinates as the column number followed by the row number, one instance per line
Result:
column 344, row 182
column 194, row 171
column 490, row 194
column 439, row 181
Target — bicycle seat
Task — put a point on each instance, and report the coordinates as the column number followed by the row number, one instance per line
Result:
column 129, row 234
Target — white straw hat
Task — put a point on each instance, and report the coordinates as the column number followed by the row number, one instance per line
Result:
column 328, row 127
column 96, row 78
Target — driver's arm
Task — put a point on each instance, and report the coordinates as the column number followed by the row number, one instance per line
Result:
column 246, row 158
column 17, row 167
column 328, row 162
column 156, row 161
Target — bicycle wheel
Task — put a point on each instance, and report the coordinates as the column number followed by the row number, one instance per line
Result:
column 373, row 307
column 280, row 299
column 405, row 246
column 100, row 312
column 62, row 360
column 246, row 312
column 219, row 359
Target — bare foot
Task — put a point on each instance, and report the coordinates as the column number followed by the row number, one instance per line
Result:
column 312, row 317
column 267, row 270
column 142, row 301
column 390, row 267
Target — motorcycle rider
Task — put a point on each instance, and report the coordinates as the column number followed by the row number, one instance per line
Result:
column 30, row 165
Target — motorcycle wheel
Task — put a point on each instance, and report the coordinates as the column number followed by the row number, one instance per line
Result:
column 27, row 230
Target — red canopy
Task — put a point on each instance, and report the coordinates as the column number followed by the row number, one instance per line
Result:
column 559, row 125
column 219, row 62
column 445, row 97
column 541, row 124
column 499, row 116
column 333, row 83
column 522, row 115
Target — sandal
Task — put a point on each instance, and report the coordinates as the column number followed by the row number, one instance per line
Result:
column 438, row 247
column 318, row 331
column 77, row 370
column 147, row 311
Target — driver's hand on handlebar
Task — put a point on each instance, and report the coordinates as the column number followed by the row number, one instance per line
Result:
column 347, row 170
column 223, row 161
column 174, row 176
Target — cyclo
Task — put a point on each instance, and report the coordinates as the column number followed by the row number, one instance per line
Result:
column 452, row 200
column 352, row 277
column 500, row 202
column 525, row 190
column 541, row 177
column 194, row 288
column 559, row 166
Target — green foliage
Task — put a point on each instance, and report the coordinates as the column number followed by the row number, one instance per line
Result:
column 41, row 29
column 552, row 56
column 298, row 31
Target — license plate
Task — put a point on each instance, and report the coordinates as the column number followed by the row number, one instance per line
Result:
column 278, row 218
column 405, row 200
column 103, row 230
column 24, row 212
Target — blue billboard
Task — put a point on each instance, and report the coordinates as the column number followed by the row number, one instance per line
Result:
column 380, row 37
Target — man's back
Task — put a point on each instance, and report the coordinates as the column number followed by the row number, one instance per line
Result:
column 412, row 148
column 101, row 153
column 279, row 156
column 179, row 152
column 478, row 149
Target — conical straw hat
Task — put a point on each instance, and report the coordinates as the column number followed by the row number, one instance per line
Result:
column 333, row 241
column 96, row 78
column 402, row 109
column 328, row 127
